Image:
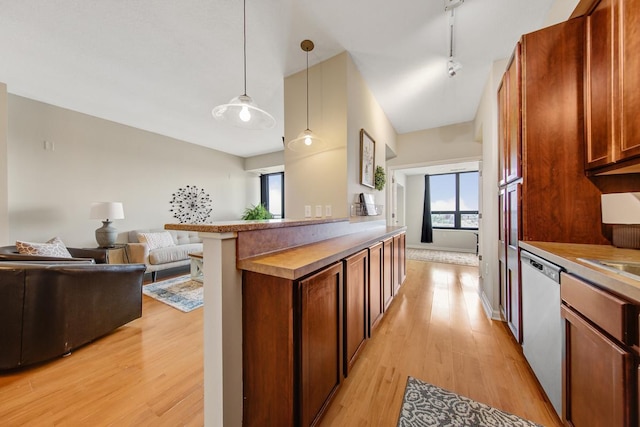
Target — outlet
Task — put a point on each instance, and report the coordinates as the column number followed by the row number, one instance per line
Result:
column 307, row 211
column 318, row 211
column 327, row 210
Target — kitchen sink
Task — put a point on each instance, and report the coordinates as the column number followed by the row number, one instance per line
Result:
column 625, row 268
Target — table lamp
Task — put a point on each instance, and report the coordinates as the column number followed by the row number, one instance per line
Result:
column 106, row 211
column 622, row 211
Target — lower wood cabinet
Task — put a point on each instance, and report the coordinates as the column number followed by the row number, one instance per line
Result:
column 399, row 266
column 292, row 346
column 387, row 272
column 356, row 308
column 376, row 274
column 600, row 368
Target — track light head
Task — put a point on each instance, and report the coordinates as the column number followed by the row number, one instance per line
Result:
column 453, row 67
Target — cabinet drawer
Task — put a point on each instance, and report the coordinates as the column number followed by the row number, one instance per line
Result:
column 610, row 313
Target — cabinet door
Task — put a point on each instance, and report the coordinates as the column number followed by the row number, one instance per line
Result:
column 356, row 283
column 597, row 376
column 320, row 338
column 387, row 272
column 629, row 74
column 512, row 278
column 599, row 87
column 396, row 265
column 502, row 251
column 613, row 76
column 503, row 130
column 376, row 273
column 514, row 119
column 402, row 266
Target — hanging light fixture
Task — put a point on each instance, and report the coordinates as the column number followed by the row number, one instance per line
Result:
column 241, row 111
column 306, row 140
column 453, row 66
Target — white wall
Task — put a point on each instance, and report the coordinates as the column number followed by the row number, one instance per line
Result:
column 445, row 240
column 4, row 186
column 318, row 178
column 50, row 191
column 340, row 104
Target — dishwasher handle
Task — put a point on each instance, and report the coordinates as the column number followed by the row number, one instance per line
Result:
column 550, row 270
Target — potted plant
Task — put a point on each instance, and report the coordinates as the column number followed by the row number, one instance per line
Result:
column 379, row 178
column 256, row 212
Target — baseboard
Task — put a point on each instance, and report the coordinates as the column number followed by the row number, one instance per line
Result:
column 486, row 305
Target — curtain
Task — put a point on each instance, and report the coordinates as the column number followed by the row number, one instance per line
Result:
column 427, row 229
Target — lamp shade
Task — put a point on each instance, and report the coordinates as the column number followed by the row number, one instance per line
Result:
column 242, row 112
column 306, row 141
column 106, row 210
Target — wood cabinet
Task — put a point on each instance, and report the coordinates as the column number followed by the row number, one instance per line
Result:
column 292, row 346
column 612, row 104
column 399, row 266
column 542, row 155
column 356, row 307
column 599, row 372
column 376, row 275
column 320, row 339
column 387, row 272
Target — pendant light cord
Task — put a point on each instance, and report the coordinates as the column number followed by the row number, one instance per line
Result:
column 307, row 90
column 244, row 37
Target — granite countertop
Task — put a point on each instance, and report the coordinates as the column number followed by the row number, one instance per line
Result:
column 570, row 256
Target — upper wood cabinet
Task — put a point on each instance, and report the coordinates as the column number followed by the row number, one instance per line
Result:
column 612, row 103
column 509, row 122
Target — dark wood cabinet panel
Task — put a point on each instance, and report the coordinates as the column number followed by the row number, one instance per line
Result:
column 514, row 118
column 376, row 274
column 612, row 77
column 356, row 283
column 598, row 376
column 512, row 273
column 399, row 266
column 387, row 273
column 320, row 342
column 268, row 351
column 503, row 130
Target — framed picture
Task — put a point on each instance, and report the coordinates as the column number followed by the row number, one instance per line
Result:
column 367, row 159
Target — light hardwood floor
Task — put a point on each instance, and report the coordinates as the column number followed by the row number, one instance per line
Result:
column 149, row 372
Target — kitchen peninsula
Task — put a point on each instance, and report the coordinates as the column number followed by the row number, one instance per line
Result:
column 299, row 276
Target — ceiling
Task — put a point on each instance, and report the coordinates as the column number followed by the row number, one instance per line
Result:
column 162, row 65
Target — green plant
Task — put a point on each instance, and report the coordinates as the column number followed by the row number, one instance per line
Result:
column 380, row 178
column 256, row 212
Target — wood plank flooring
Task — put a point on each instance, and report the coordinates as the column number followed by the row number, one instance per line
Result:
column 149, row 372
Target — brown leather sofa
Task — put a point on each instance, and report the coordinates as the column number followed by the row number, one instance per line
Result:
column 10, row 253
column 48, row 310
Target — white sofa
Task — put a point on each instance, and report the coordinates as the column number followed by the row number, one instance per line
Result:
column 171, row 253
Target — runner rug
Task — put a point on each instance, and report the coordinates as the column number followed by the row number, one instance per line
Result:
column 427, row 405
column 180, row 292
column 461, row 258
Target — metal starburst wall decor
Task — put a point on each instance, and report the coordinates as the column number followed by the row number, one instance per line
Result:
column 191, row 205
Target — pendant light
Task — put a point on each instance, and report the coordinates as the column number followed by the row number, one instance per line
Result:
column 241, row 111
column 306, row 140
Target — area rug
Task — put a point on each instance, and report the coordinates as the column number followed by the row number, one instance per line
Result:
column 180, row 292
column 427, row 405
column 460, row 258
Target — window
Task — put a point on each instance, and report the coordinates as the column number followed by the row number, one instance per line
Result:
column 272, row 193
column 454, row 200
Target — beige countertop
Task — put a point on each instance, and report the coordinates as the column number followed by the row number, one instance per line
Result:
column 570, row 256
column 294, row 263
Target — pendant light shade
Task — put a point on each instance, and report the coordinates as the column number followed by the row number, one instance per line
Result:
column 241, row 111
column 306, row 141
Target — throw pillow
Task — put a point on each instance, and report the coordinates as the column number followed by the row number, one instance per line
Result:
column 53, row 248
column 161, row 239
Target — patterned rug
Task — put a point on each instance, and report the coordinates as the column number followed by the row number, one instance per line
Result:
column 180, row 292
column 427, row 405
column 461, row 258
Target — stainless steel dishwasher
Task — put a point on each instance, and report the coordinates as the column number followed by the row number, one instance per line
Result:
column 542, row 332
